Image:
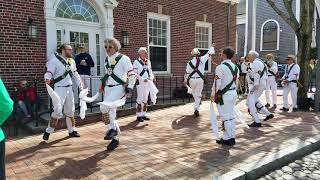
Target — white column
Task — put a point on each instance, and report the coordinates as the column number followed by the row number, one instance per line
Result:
column 254, row 24
column 51, row 28
column 246, row 29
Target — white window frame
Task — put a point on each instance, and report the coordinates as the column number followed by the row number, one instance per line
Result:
column 278, row 35
column 205, row 25
column 166, row 18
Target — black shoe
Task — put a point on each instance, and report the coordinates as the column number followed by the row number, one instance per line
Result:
column 196, row 113
column 232, row 141
column 254, row 124
column 145, row 118
column 74, row 134
column 228, row 142
column 46, row 136
column 267, row 105
column 113, row 145
column 275, row 106
column 139, row 119
column 270, row 116
column 111, row 134
column 284, row 109
column 294, row 109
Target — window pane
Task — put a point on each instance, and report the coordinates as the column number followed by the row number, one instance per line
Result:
column 158, row 57
column 78, row 10
column 270, row 36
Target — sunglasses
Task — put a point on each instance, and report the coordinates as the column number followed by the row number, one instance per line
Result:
column 108, row 47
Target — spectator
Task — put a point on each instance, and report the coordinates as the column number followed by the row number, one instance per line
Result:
column 21, row 93
column 84, row 62
column 242, row 77
column 312, row 74
column 6, row 105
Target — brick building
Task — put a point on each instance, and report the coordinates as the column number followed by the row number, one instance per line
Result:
column 31, row 30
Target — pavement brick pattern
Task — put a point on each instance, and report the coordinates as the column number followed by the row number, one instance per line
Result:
column 173, row 145
column 306, row 168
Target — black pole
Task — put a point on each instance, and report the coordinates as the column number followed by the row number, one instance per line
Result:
column 317, row 94
column 228, row 23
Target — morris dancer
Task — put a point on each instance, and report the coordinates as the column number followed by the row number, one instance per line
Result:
column 290, row 83
column 194, row 77
column 224, row 93
column 117, row 84
column 61, row 68
column 143, row 70
column 257, row 79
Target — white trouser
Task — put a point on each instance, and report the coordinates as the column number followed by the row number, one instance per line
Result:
column 254, row 102
column 143, row 91
column 196, row 84
column 67, row 102
column 228, row 116
column 293, row 89
column 86, row 81
column 112, row 94
column 271, row 85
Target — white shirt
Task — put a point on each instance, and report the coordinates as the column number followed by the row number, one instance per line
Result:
column 224, row 75
column 245, row 67
column 55, row 69
column 273, row 68
column 203, row 60
column 138, row 68
column 257, row 66
column 293, row 74
column 122, row 70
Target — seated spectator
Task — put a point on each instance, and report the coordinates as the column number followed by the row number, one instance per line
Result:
column 26, row 97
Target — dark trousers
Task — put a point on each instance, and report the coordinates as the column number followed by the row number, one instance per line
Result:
column 2, row 161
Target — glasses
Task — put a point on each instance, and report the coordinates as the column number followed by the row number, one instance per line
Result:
column 108, row 47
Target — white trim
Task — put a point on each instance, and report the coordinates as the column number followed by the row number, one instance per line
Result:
column 278, row 35
column 166, row 18
column 206, row 25
column 246, row 30
column 254, row 25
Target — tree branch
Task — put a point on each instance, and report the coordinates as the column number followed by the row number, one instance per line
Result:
column 293, row 23
column 292, row 16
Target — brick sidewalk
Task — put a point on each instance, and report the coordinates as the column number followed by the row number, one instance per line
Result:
column 172, row 145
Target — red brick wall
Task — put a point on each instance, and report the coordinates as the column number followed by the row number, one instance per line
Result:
column 131, row 16
column 21, row 57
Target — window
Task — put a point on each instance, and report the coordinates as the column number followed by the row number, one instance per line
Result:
column 270, row 36
column 98, row 55
column 59, row 38
column 78, row 10
column 203, row 39
column 159, row 42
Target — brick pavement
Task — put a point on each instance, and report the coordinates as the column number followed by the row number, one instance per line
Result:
column 172, row 145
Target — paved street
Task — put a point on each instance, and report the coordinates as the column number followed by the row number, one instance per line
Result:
column 305, row 168
column 172, row 145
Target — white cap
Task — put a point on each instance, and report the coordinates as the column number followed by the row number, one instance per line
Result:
column 142, row 49
column 195, row 51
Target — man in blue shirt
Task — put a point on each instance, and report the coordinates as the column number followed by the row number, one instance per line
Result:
column 84, row 62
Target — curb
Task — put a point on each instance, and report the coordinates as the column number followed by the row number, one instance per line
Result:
column 273, row 161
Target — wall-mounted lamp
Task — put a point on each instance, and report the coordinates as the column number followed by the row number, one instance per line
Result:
column 32, row 29
column 125, row 38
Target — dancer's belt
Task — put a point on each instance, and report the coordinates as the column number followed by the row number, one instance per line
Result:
column 65, row 86
column 114, row 85
column 293, row 81
column 228, row 120
column 195, row 77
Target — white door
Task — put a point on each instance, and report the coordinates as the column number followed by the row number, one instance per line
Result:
column 90, row 38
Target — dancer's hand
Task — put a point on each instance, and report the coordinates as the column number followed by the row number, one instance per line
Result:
column 48, row 81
